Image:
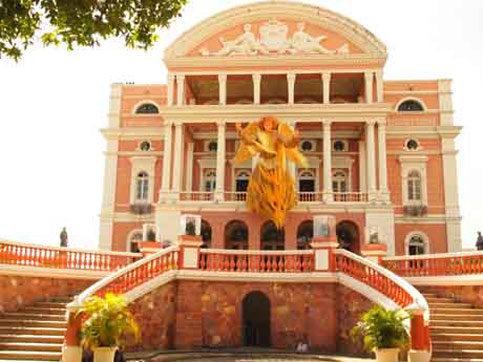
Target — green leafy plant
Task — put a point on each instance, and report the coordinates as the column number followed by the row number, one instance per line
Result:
column 382, row 328
column 107, row 321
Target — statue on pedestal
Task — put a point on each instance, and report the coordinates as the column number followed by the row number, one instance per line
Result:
column 63, row 238
column 479, row 241
column 271, row 190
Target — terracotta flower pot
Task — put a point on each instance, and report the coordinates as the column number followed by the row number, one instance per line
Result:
column 387, row 355
column 104, row 354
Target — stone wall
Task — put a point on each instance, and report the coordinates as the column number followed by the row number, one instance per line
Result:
column 194, row 314
column 20, row 291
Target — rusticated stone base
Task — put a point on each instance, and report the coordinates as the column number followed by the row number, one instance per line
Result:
column 194, row 314
column 20, row 291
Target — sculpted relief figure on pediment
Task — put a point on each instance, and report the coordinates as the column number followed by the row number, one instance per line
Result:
column 274, row 39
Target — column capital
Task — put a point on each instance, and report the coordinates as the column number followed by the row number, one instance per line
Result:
column 177, row 123
column 180, row 77
column 326, row 76
column 221, row 123
column 222, row 77
column 370, row 122
column 368, row 74
column 379, row 73
column 291, row 77
column 381, row 122
column 168, row 122
column 171, row 77
column 326, row 122
column 257, row 77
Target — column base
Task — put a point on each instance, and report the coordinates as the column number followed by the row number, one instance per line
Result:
column 328, row 197
column 71, row 354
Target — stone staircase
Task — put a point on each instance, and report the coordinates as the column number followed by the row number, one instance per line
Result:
column 456, row 330
column 34, row 333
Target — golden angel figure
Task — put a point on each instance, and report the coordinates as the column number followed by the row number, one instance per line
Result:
column 271, row 191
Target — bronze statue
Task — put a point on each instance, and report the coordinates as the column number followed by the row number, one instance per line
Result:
column 479, row 241
column 63, row 238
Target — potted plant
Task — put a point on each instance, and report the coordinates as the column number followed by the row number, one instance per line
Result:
column 107, row 321
column 384, row 333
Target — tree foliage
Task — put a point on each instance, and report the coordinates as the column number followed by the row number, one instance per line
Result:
column 82, row 22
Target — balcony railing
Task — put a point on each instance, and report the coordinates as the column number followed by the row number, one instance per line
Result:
column 28, row 255
column 233, row 196
column 433, row 265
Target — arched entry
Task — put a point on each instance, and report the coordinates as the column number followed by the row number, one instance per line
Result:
column 205, row 234
column 272, row 238
column 305, row 234
column 348, row 236
column 256, row 320
column 236, row 235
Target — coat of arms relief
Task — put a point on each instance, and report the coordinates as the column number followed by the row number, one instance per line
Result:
column 273, row 39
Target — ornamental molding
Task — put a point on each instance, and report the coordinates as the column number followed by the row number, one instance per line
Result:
column 272, row 36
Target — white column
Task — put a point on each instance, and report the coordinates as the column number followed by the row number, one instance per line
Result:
column 379, row 86
column 171, row 79
column 369, row 81
column 328, row 196
column 189, row 167
column 381, row 138
column 180, row 82
column 291, row 87
column 178, row 158
column 371, row 164
column 326, row 87
column 292, row 167
column 257, row 80
column 220, row 162
column 362, row 167
column 165, row 184
column 222, row 88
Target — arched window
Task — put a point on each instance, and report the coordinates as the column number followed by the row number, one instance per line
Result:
column 305, row 234
column 339, row 182
column 142, row 186
column 209, row 181
column 416, row 244
column 414, row 186
column 147, row 108
column 134, row 240
column 306, row 182
column 272, row 238
column 241, row 185
column 236, row 235
column 410, row 106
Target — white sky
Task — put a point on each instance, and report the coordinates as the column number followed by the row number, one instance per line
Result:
column 54, row 102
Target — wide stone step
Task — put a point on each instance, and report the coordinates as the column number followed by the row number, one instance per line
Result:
column 449, row 359
column 32, row 323
column 31, row 338
column 468, row 354
column 455, row 311
column 34, row 316
column 15, row 329
column 40, row 310
column 457, row 336
column 452, row 305
column 30, row 355
column 23, row 346
column 457, row 345
column 60, row 305
column 456, row 317
column 437, row 330
column 454, row 322
column 440, row 300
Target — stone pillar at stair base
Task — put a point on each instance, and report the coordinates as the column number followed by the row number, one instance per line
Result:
column 324, row 243
column 189, row 251
column 420, row 340
column 168, row 224
column 71, row 350
column 374, row 252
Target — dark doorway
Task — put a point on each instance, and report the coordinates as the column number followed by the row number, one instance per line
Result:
column 256, row 320
column 272, row 238
column 348, row 236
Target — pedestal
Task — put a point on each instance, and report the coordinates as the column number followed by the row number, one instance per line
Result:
column 189, row 249
column 374, row 252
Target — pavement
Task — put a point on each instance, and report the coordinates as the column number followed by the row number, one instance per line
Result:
column 238, row 355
